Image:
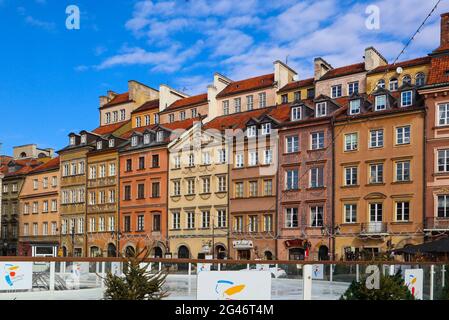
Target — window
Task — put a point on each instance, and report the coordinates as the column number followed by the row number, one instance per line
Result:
column 317, row 140
column 129, row 165
column 251, row 131
column 140, row 223
column 222, row 158
column 146, row 138
column 138, row 122
column 350, row 176
column 420, row 79
column 206, row 158
column 190, row 186
column 253, row 158
column 253, row 188
column 182, row 115
column 81, row 168
column 26, row 229
column 83, row 138
column 268, row 222
column 35, row 229
column 351, row 140
column 177, row 188
column 221, row 215
column 176, row 220
column 191, row 160
column 443, row 206
column 160, row 136
column 268, row 187
column 406, row 79
column 353, row 88
column 26, row 208
column 5, row 188
column 156, row 118
column 403, row 171
column 112, row 170
column 375, row 210
column 108, row 117
column 226, row 107
column 35, row 207
column 239, row 160
column 72, row 140
column 239, row 189
column 122, row 114
column 111, row 143
column 147, row 120
column 292, row 179
column 297, row 95
column 268, row 157
column 222, row 184
column 102, row 171
column 336, row 91
column 141, row 163
column 190, row 220
column 111, row 197
column 205, row 221
column 134, row 141
column 350, row 213
column 194, row 112
column 354, row 107
column 292, row 144
column 266, row 128
column 310, row 93
column 45, row 206
column 92, row 198
column 376, row 173
column 250, row 102
column 376, row 138
column 111, row 223
column 262, row 100
column 406, row 98
column 127, row 224
column 402, row 211
column 54, row 228
column 253, row 224
column 127, row 193
column 102, row 224
column 14, row 187
column 403, row 135
column 45, row 183
column 380, row 103
column 316, row 216
column 157, row 222
column 238, row 227
column 206, row 185
column 296, row 113
column 171, row 118
column 80, row 228
column 291, row 218
column 141, row 191
column 321, row 109
column 238, row 104
column 316, row 177
column 115, row 116
column 35, row 184
column 284, row 98
column 54, row 205
column 155, row 190
column 394, row 84
column 443, row 160
column 177, row 161
column 443, row 114
column 381, row 84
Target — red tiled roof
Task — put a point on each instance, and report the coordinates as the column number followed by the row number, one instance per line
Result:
column 187, row 102
column 128, row 134
column 247, row 85
column 149, row 105
column 184, row 124
column 110, row 128
column 297, row 84
column 343, row 71
column 236, row 120
column 439, row 70
column 281, row 113
column 119, row 98
column 53, row 164
column 403, row 64
column 26, row 166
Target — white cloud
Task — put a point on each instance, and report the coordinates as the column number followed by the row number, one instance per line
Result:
column 49, row 26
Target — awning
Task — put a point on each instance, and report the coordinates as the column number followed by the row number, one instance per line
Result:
column 438, row 246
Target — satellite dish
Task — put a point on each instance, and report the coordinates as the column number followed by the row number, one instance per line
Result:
column 399, row 70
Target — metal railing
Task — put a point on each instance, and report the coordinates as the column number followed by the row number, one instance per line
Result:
column 437, row 223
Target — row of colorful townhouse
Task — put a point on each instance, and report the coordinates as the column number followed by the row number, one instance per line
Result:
column 351, row 163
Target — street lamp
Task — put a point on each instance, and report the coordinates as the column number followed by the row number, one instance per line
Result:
column 119, row 236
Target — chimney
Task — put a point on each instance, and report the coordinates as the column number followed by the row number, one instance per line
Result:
column 111, row 94
column 104, row 100
column 283, row 74
column 373, row 59
column 321, row 66
column 220, row 82
column 444, row 40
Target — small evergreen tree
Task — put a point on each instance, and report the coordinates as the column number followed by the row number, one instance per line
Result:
column 137, row 283
column 391, row 288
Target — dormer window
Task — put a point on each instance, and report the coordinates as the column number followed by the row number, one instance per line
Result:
column 72, row 140
column 380, row 103
column 406, row 98
column 146, row 138
column 406, row 80
column 296, row 113
column 138, row 122
column 394, row 84
column 266, row 128
column 251, row 131
column 336, row 91
column 134, row 141
column 84, row 138
column 99, row 145
column 111, row 143
column 354, row 107
column 160, row 136
column 321, row 109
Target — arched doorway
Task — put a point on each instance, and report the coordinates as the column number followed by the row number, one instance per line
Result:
column 157, row 252
column 268, row 255
column 323, row 253
column 183, row 253
column 220, row 251
column 112, row 251
column 296, row 254
column 130, row 251
column 95, row 252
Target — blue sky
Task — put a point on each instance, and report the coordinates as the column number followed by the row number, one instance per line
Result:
column 51, row 77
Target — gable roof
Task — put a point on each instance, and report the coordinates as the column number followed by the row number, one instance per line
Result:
column 118, row 99
column 402, row 64
column 187, row 102
column 53, row 164
column 236, row 120
column 250, row 84
column 110, row 128
column 297, row 84
column 344, row 71
column 25, row 167
column 149, row 105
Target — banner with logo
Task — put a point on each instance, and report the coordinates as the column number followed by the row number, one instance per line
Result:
column 318, row 271
column 204, row 266
column 16, row 275
column 234, row 285
column 116, row 269
column 414, row 282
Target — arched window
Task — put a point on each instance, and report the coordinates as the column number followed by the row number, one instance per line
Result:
column 420, row 79
column 406, row 79
column 381, row 84
column 393, row 84
column 23, row 155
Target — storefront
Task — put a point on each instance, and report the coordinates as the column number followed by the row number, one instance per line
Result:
column 242, row 249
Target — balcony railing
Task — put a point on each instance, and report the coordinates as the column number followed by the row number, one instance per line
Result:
column 437, row 223
column 374, row 228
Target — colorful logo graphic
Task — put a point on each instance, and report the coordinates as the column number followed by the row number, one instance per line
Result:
column 226, row 289
column 12, row 274
column 412, row 284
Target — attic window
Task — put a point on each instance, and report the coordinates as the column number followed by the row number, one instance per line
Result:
column 146, row 138
column 111, row 143
column 72, row 140
column 321, row 109
column 354, row 107
column 251, row 131
column 296, row 113
column 83, row 138
column 99, row 145
column 266, row 128
column 380, row 103
column 134, row 141
column 160, row 136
